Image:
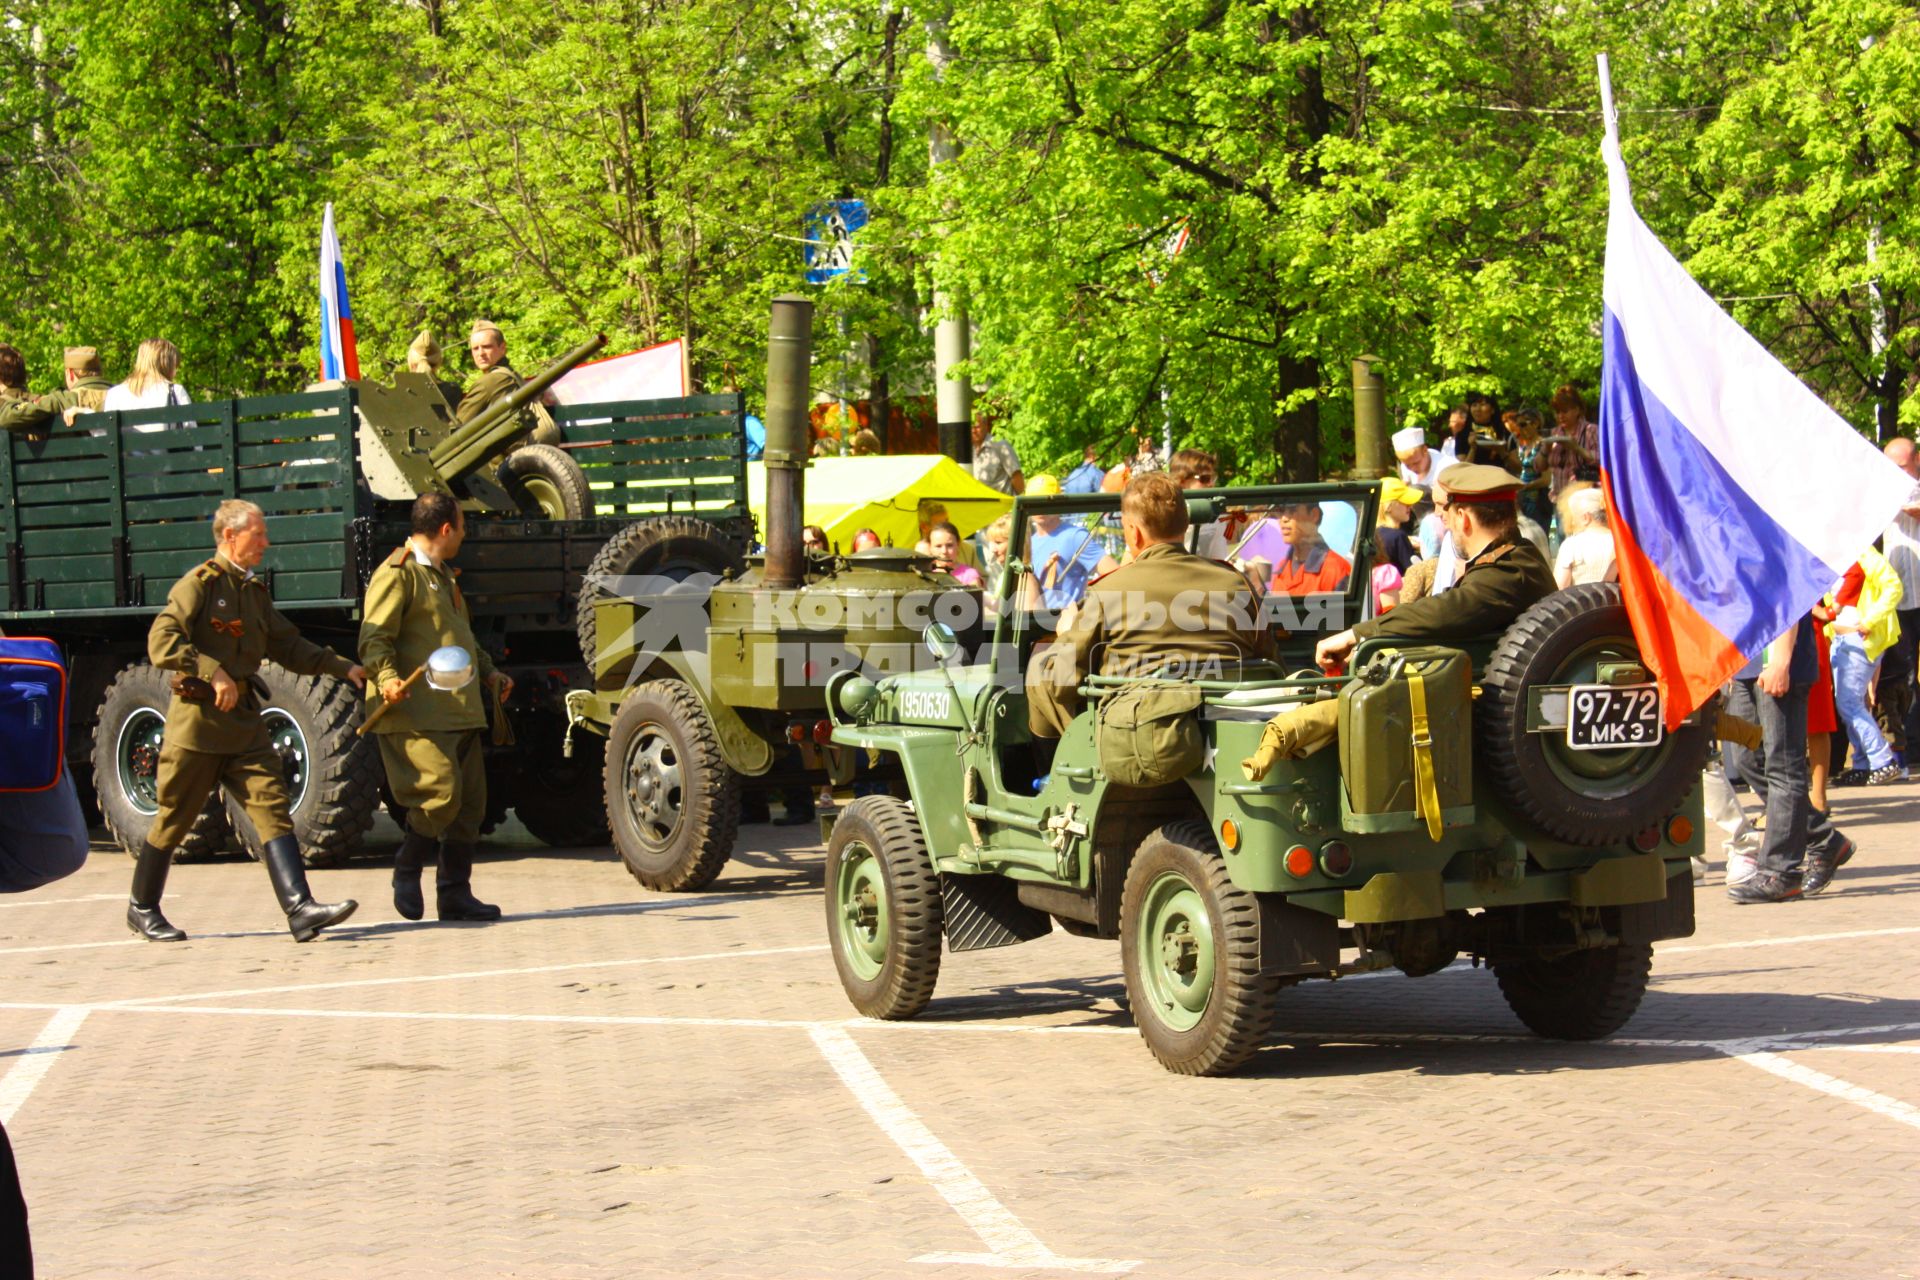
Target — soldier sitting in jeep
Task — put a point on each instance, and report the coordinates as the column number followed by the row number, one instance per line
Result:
column 1165, row 605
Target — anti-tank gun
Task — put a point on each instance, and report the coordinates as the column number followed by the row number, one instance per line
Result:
column 410, row 445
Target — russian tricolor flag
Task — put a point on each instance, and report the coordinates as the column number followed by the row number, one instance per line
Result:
column 1737, row 497
column 339, row 356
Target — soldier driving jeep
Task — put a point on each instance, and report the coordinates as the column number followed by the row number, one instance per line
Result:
column 1164, row 605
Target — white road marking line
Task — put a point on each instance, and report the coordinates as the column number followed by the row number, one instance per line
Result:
column 70, row 946
column 1008, row 1240
column 398, row 1015
column 56, row 902
column 1878, row 1103
column 38, row 1058
column 456, row 977
column 1865, row 1048
column 1781, row 942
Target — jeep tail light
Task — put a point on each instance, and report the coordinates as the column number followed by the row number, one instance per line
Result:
column 1646, row 840
column 796, row 732
column 1335, row 858
column 1229, row 835
column 1679, row 829
column 823, row 731
column 1299, row 862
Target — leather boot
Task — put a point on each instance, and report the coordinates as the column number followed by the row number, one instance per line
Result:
column 453, row 887
column 416, row 852
column 305, row 917
column 143, row 903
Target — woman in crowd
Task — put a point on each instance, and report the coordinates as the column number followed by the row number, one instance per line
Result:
column 151, row 385
column 13, row 374
column 944, row 539
column 1527, row 458
column 813, row 540
column 1456, row 438
column 1576, row 456
column 994, row 540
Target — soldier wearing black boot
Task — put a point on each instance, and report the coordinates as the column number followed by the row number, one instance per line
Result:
column 218, row 626
column 430, row 745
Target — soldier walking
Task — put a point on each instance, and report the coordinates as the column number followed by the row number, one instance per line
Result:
column 219, row 624
column 430, row 745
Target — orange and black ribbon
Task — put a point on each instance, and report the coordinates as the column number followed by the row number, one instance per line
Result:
column 235, row 628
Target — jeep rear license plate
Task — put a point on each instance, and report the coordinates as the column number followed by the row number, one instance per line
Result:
column 1606, row 717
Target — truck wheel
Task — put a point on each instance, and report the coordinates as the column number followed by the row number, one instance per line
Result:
column 1580, row 996
column 1190, row 950
column 544, row 481
column 673, row 547
column 1587, row 798
column 126, row 764
column 672, row 801
column 883, row 908
column 565, row 802
column 333, row 776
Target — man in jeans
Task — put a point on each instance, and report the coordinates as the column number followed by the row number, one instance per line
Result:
column 1901, row 546
column 1801, row 848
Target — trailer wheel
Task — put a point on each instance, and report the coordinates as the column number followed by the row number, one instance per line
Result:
column 126, row 760
column 333, row 775
column 544, row 481
column 671, row 547
column 672, row 800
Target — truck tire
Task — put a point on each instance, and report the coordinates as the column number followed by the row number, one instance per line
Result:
column 126, row 758
column 333, row 775
column 1190, row 951
column 1588, row 798
column 672, row 800
column 673, row 547
column 565, row 803
column 1583, row 995
column 883, row 908
column 544, row 481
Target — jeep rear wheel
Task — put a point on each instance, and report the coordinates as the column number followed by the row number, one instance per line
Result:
column 672, row 800
column 1583, row 995
column 1190, row 949
column 883, row 908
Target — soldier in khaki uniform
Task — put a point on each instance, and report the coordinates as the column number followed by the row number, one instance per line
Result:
column 86, row 391
column 430, row 744
column 1164, row 605
column 1503, row 576
column 219, row 624
column 496, row 381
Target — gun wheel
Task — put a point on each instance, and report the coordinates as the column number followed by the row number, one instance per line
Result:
column 672, row 800
column 1583, row 995
column 1190, row 949
column 883, row 908
column 544, row 481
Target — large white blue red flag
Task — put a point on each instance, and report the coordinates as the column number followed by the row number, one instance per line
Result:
column 339, row 356
column 1737, row 497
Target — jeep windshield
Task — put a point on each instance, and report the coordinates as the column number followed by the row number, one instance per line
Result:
column 1307, row 552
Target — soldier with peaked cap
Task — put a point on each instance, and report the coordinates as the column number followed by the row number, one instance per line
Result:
column 218, row 626
column 86, row 392
column 1502, row 576
column 430, row 744
column 496, row 381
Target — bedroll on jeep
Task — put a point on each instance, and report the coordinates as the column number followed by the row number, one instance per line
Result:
column 1512, row 800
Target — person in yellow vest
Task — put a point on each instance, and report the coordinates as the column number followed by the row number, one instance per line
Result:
column 218, row 626
column 430, row 743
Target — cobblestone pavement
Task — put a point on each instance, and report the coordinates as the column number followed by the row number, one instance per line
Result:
column 616, row 1083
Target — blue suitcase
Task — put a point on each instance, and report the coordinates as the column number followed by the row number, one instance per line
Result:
column 33, row 713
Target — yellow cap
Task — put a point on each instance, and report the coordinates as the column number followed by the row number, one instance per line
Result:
column 1043, row 486
column 1394, row 489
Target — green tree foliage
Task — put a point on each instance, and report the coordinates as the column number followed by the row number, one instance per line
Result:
column 1414, row 178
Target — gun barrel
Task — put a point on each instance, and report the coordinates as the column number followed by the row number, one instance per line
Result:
column 469, row 447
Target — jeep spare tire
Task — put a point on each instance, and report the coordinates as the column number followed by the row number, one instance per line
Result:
column 1585, row 797
column 672, row 547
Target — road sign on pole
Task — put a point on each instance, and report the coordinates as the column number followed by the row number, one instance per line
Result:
column 830, row 228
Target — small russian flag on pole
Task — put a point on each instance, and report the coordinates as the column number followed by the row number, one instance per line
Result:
column 339, row 356
column 1737, row 497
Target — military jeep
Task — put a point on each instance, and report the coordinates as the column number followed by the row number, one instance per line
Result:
column 1512, row 798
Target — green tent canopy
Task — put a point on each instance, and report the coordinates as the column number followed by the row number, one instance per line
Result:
column 846, row 495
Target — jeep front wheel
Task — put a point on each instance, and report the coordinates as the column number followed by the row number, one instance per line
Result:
column 883, row 908
column 1190, row 949
column 672, row 800
column 1583, row 995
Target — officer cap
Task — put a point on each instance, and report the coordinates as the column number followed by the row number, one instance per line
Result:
column 1478, row 482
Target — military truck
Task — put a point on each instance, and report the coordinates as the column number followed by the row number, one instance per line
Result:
column 1513, row 799
column 710, row 668
column 101, row 518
